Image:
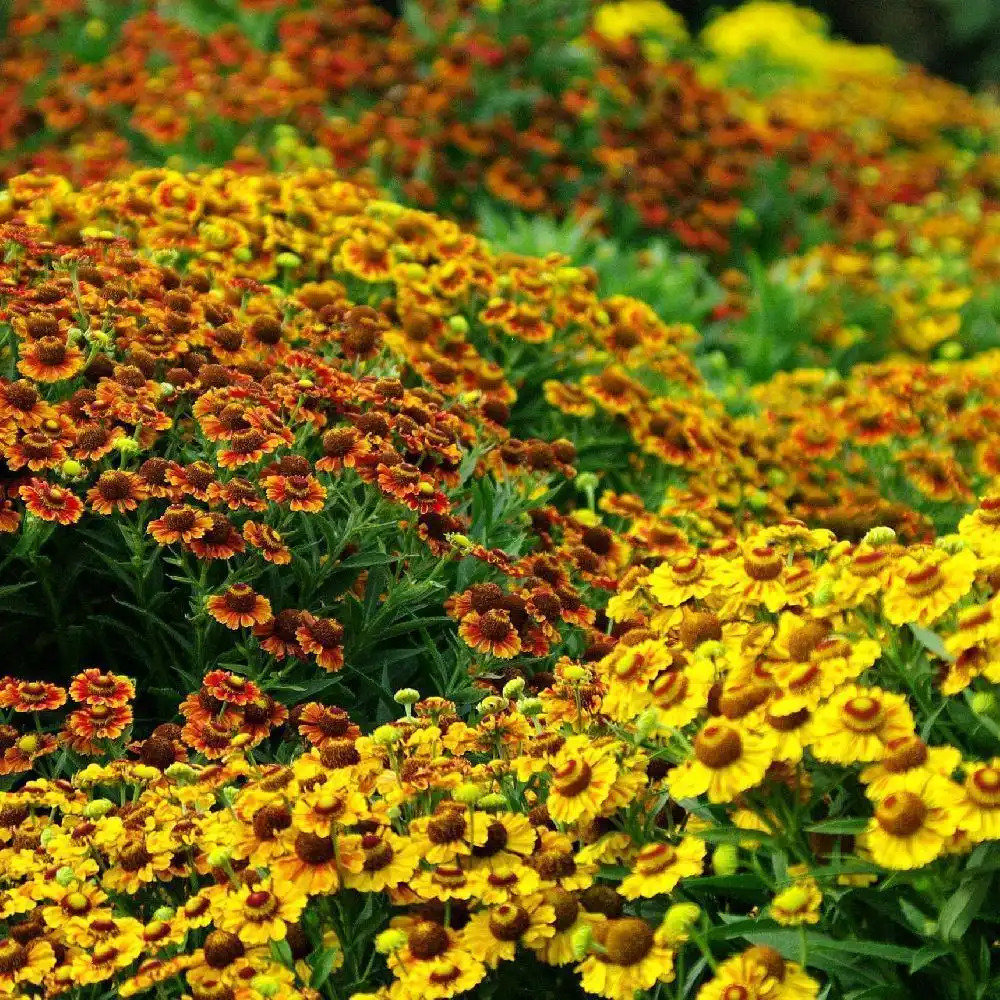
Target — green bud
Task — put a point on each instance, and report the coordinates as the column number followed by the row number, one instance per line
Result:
column 492, row 704
column 586, row 482
column 823, row 593
column 514, row 688
column 983, row 702
column 220, row 857
column 776, row 477
column 582, row 940
column 492, row 802
column 164, row 913
column 98, row 808
column 879, row 536
column 406, row 696
column 243, row 254
column 468, row 794
column 390, row 941
column 386, row 736
column 950, row 543
column 530, row 707
column 127, row 446
column 679, row 919
column 758, row 501
column 165, row 257
column 65, row 876
column 459, row 324
column 181, row 773
column 47, row 835
column 951, row 351
column 71, row 469
column 646, row 724
column 287, row 259
column 266, row 986
column 726, row 859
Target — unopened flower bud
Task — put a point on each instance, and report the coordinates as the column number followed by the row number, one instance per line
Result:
column 878, row 536
column 576, row 674
column 266, row 986
column 98, row 808
column 287, row 259
column 491, row 802
column 180, row 772
column 459, row 324
column 386, row 736
column 726, row 859
column 65, row 876
column 678, row 921
column 390, row 941
column 646, row 724
column 530, row 707
column 513, row 688
column 71, row 469
column 586, row 482
column 983, row 702
column 468, row 794
column 127, row 446
column 220, row 857
column 581, row 941
column 406, row 696
column 492, row 704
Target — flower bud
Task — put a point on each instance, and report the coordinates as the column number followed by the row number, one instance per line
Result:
column 406, row 696
column 983, row 702
column 587, row 482
column 646, row 724
column 678, row 921
column 492, row 704
column 220, row 857
column 581, row 941
column 181, row 773
column 71, row 469
column 879, row 536
column 65, row 876
column 576, row 674
column 468, row 794
column 459, row 540
column 287, row 259
column 164, row 913
column 266, row 986
column 530, row 707
column 459, row 324
column 514, row 688
column 98, row 808
column 492, row 802
column 127, row 446
column 386, row 736
column 726, row 859
column 390, row 941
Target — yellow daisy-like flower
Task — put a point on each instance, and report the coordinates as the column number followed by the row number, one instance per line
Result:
column 857, row 723
column 634, row 957
column 799, row 903
column 677, row 696
column 728, row 759
column 494, row 934
column 978, row 812
column 262, row 912
column 582, row 776
column 568, row 920
column 759, row 973
column 387, row 860
column 627, row 673
column 673, row 583
column 24, row 963
column 914, row 821
column 924, row 587
column 659, row 867
column 906, row 756
column 981, row 528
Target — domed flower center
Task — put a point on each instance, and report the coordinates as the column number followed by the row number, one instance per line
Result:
column 444, row 973
column 134, row 857
column 832, row 648
column 260, row 904
column 179, row 518
column 509, row 921
column 905, row 754
column 922, row 582
column 804, row 676
column 763, row 563
column 718, row 746
column 769, row 959
column 863, row 714
column 669, row 688
column 314, row 850
column 902, row 814
column 566, row 907
column 983, row 786
column 427, row 940
column 450, row 876
column 627, row 941
column 378, row 852
column 655, row 858
column 446, row 828
column 572, row 778
column 868, row 564
column 241, row 597
column 495, row 625
column 790, row 722
column 989, row 510
column 687, row 570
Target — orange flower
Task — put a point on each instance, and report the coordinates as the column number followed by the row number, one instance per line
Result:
column 179, row 523
column 239, row 606
column 31, row 696
column 269, row 541
column 491, row 632
column 116, row 490
column 96, row 722
column 93, row 687
column 51, row 503
column 323, row 637
column 305, row 493
column 50, row 359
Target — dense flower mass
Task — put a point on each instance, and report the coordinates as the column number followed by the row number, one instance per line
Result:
column 503, row 498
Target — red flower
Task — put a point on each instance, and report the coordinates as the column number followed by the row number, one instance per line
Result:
column 94, row 687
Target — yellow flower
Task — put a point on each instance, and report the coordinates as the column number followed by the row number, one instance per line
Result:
column 630, row 18
column 759, row 973
column 582, row 776
column 728, row 759
column 857, row 723
column 262, row 912
column 913, row 821
column 798, row 904
column 634, row 957
column 924, row 587
column 658, row 868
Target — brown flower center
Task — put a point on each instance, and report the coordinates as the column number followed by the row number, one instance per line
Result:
column 763, row 563
column 718, row 746
column 628, row 941
column 427, row 940
column 314, row 850
column 509, row 921
column 901, row 814
column 572, row 778
column 863, row 714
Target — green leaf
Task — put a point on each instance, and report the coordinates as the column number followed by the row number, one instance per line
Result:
column 962, row 905
column 931, row 641
column 322, row 967
column 929, row 953
column 838, row 826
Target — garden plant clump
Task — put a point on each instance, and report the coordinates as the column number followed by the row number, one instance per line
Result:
column 500, row 500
